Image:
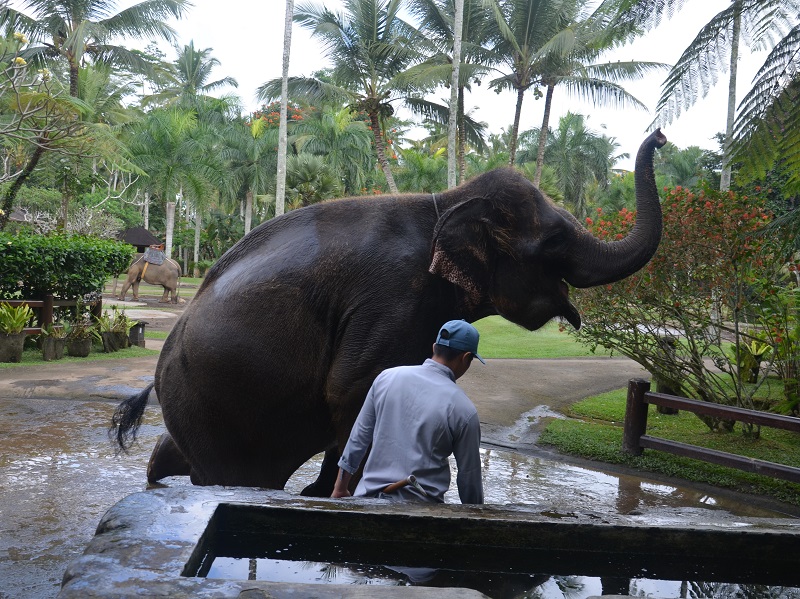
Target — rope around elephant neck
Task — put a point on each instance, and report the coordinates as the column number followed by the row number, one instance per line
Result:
column 435, row 206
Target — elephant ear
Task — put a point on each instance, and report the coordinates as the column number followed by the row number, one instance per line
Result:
column 462, row 249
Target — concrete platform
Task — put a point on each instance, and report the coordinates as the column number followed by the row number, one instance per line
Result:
column 156, row 543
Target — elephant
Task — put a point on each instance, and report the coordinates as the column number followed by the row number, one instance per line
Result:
column 166, row 274
column 271, row 362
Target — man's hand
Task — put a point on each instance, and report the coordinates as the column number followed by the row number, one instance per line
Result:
column 340, row 489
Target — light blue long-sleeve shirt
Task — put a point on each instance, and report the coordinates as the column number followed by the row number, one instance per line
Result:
column 415, row 417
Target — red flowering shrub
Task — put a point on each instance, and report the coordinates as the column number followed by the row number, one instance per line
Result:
column 696, row 308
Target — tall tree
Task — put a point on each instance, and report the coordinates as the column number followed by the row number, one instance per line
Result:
column 344, row 141
column 458, row 26
column 758, row 23
column 524, row 28
column 579, row 156
column 250, row 154
column 571, row 63
column 190, row 77
column 280, row 190
column 370, row 46
column 437, row 23
column 74, row 30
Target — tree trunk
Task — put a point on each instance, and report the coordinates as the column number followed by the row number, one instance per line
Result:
column 280, row 190
column 452, row 152
column 248, row 207
column 380, row 151
column 170, row 228
column 512, row 147
column 548, row 102
column 198, row 219
column 13, row 189
column 146, row 209
column 725, row 178
column 462, row 137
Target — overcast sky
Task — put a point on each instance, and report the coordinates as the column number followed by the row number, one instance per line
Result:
column 247, row 39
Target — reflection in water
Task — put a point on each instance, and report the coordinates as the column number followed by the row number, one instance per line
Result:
column 59, row 474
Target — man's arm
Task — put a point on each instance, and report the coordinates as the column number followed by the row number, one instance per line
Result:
column 466, row 449
column 341, row 488
column 356, row 447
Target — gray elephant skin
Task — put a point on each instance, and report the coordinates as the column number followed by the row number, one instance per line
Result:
column 272, row 359
column 166, row 274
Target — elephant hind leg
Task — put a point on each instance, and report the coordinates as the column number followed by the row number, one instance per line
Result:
column 166, row 460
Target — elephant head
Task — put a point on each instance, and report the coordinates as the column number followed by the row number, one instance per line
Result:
column 513, row 252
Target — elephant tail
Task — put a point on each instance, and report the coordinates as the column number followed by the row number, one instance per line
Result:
column 127, row 418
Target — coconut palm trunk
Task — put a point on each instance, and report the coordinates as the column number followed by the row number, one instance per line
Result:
column 725, row 178
column 452, row 153
column 280, row 190
column 380, row 150
column 512, row 146
column 548, row 102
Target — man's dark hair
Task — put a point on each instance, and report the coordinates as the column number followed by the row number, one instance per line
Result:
column 446, row 353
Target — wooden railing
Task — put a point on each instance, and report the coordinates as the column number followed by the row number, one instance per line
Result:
column 635, row 440
column 44, row 310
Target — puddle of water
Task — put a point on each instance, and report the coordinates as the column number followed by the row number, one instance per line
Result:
column 59, row 474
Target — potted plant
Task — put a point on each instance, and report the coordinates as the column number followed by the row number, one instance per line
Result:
column 12, row 325
column 79, row 335
column 53, row 340
column 114, row 330
column 121, row 325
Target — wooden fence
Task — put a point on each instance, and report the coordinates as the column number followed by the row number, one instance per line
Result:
column 44, row 309
column 635, row 440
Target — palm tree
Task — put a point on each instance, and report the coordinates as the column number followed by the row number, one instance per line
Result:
column 250, row 154
column 571, row 65
column 283, row 126
column 370, row 46
column 437, row 23
column 523, row 28
column 190, row 78
column 579, row 156
column 759, row 23
column 172, row 146
column 310, row 179
column 72, row 30
column 344, row 141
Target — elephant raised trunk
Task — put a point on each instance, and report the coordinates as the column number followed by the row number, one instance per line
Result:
column 597, row 262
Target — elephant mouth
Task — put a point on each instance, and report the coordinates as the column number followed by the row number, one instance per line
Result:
column 570, row 311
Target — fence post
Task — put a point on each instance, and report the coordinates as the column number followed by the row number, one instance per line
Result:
column 635, row 416
column 46, row 315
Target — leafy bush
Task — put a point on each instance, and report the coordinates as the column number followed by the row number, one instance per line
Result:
column 714, row 287
column 69, row 267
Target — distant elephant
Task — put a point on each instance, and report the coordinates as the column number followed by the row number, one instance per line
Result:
column 271, row 362
column 166, row 274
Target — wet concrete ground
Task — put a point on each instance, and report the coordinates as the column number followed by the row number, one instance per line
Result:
column 59, row 472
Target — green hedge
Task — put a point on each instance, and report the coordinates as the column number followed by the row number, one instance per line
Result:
column 69, row 267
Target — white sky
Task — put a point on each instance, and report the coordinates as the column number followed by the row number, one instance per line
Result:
column 247, row 39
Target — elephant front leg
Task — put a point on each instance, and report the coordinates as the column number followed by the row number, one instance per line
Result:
column 323, row 486
column 135, row 290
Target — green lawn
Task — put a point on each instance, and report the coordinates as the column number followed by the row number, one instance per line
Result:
column 595, row 432
column 34, row 356
column 503, row 339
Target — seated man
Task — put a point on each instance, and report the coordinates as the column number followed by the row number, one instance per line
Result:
column 415, row 417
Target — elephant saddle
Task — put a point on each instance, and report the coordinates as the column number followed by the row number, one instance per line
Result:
column 154, row 255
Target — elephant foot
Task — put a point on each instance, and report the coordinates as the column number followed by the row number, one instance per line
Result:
column 323, row 486
column 166, row 460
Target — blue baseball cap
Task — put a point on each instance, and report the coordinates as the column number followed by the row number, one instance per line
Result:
column 460, row 335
